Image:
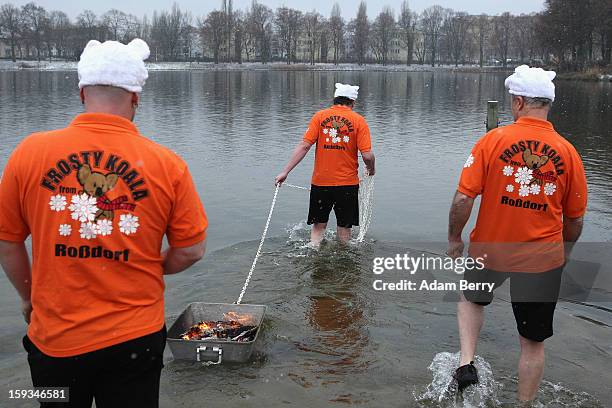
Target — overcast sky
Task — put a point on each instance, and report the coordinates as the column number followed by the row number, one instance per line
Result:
column 349, row 7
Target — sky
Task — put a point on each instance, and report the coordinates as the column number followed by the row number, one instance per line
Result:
column 348, row 7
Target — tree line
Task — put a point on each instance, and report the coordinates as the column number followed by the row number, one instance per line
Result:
column 570, row 34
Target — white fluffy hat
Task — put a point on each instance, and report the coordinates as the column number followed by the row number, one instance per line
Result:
column 114, row 64
column 532, row 83
column 348, row 91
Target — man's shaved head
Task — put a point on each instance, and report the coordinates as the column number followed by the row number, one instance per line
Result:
column 111, row 100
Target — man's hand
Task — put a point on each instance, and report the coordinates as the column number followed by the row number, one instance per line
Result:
column 455, row 249
column 26, row 310
column 370, row 162
column 280, row 179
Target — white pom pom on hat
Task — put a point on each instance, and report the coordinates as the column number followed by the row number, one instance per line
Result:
column 115, row 64
column 532, row 83
column 347, row 91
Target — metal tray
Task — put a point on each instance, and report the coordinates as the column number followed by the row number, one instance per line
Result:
column 212, row 352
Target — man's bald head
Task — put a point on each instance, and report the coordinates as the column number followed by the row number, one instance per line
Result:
column 109, row 99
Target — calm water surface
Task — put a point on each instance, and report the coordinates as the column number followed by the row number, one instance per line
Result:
column 329, row 338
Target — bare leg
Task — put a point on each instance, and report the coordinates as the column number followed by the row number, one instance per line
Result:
column 317, row 233
column 470, row 318
column 531, row 368
column 344, row 234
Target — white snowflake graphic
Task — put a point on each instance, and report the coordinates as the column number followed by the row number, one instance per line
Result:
column 83, row 208
column 104, row 227
column 128, row 224
column 524, row 190
column 535, row 189
column 336, row 140
column 88, row 230
column 469, row 161
column 325, row 131
column 333, row 132
column 523, row 175
column 65, row 230
column 510, row 188
column 58, row 203
column 508, row 171
column 550, row 188
column 346, row 139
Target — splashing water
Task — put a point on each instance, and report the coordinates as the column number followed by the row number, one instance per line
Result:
column 366, row 204
column 442, row 392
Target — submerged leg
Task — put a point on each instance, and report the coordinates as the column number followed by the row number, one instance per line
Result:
column 531, row 368
column 317, row 233
column 470, row 317
column 344, row 234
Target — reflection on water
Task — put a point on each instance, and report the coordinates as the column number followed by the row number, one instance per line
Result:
column 236, row 130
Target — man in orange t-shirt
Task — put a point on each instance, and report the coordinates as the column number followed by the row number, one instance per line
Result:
column 97, row 199
column 533, row 198
column 339, row 133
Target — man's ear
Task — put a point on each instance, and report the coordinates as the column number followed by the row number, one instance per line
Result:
column 135, row 99
column 111, row 180
column 526, row 154
column 84, row 173
column 82, row 93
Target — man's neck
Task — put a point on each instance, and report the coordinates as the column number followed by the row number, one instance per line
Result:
column 110, row 111
column 541, row 114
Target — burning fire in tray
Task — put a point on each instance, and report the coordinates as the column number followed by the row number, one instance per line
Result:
column 233, row 327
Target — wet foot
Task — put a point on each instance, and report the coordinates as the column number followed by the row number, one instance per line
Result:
column 465, row 376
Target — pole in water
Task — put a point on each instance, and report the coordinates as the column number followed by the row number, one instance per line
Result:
column 492, row 115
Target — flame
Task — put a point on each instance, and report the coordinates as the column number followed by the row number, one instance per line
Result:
column 244, row 319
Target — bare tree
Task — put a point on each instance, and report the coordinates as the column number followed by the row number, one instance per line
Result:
column 58, row 33
column 213, row 32
column 10, row 26
column 360, row 28
column 456, row 28
column 336, row 30
column 117, row 23
column 501, row 36
column 168, row 31
column 431, row 22
column 239, row 33
column 483, row 30
column 312, row 31
column 383, row 32
column 35, row 22
column 288, row 23
column 407, row 27
column 420, row 48
column 524, row 36
column 259, row 25
column 228, row 11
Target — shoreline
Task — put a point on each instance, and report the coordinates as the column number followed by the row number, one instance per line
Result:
column 6, row 65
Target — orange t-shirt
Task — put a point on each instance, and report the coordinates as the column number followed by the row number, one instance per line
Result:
column 529, row 177
column 97, row 198
column 339, row 133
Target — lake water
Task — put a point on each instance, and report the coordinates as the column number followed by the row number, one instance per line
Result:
column 329, row 338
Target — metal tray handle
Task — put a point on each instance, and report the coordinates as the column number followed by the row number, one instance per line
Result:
column 217, row 350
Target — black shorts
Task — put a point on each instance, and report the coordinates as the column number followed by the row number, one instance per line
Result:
column 123, row 375
column 343, row 199
column 534, row 298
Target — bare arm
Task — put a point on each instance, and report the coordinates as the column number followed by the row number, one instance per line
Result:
column 460, row 212
column 297, row 156
column 572, row 229
column 16, row 264
column 176, row 260
column 370, row 161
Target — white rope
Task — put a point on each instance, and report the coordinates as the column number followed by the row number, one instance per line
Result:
column 263, row 238
column 366, row 201
column 298, row 187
